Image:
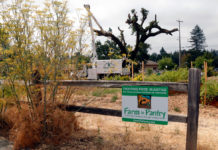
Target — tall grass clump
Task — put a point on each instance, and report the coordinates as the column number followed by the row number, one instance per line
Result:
column 27, row 128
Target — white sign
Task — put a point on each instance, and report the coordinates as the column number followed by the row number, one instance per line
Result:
column 109, row 66
column 145, row 104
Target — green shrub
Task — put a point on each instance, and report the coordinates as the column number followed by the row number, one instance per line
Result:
column 117, row 77
column 149, row 71
column 180, row 75
column 211, row 88
column 114, row 98
column 166, row 64
column 5, row 91
column 177, row 109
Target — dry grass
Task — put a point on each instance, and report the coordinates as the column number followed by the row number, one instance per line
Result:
column 27, row 128
column 110, row 133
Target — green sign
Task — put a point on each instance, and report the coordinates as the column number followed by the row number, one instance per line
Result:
column 145, row 104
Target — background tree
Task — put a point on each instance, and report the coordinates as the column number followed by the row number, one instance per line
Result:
column 197, row 39
column 163, row 53
column 139, row 30
column 108, row 50
column 215, row 59
column 175, row 57
column 166, row 63
column 199, row 62
column 154, row 57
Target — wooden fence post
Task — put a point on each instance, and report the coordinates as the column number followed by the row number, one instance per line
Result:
column 193, row 108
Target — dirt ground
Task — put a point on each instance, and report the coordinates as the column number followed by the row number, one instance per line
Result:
column 110, row 133
column 106, row 132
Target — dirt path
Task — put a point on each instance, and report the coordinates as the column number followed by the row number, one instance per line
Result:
column 111, row 133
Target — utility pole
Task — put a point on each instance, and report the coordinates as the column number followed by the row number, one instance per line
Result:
column 179, row 21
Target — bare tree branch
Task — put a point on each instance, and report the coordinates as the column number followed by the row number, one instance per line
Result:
column 141, row 33
column 122, row 36
column 114, row 38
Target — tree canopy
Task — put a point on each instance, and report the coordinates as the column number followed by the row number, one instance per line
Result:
column 166, row 63
column 107, row 50
column 197, row 39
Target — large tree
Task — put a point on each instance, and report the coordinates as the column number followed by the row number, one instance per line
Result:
column 141, row 32
column 197, row 39
column 107, row 50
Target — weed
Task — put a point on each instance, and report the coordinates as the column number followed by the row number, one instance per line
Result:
column 145, row 127
column 156, row 139
column 114, row 98
column 126, row 136
column 98, row 93
column 112, row 91
column 177, row 109
column 157, row 142
column 99, row 142
column 177, row 131
column 99, row 130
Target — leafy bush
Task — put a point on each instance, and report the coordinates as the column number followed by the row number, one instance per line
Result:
column 212, row 90
column 180, row 75
column 5, row 91
column 118, row 77
column 166, row 63
column 149, row 71
column 114, row 98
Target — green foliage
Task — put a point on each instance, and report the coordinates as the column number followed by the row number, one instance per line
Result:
column 180, row 75
column 166, row 63
column 149, row 71
column 118, row 77
column 199, row 62
column 163, row 53
column 197, row 39
column 211, row 88
column 100, row 92
column 177, row 109
column 34, row 40
column 114, row 98
column 3, row 104
column 108, row 50
column 5, row 91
